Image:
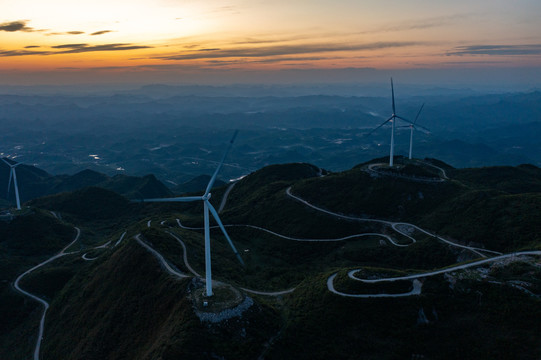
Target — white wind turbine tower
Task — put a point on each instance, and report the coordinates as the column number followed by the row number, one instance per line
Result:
column 207, row 207
column 412, row 126
column 392, row 119
column 13, row 175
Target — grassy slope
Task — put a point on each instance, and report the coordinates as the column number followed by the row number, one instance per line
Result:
column 127, row 307
column 321, row 325
column 497, row 207
column 24, row 242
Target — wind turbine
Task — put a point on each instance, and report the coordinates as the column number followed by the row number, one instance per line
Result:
column 13, row 175
column 412, row 126
column 392, row 120
column 207, row 206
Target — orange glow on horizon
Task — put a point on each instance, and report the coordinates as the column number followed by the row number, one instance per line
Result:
column 140, row 35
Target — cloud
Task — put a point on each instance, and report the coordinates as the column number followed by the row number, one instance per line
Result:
column 74, row 32
column 532, row 49
column 279, row 59
column 69, row 46
column 31, row 46
column 275, row 40
column 280, row 50
column 421, row 24
column 8, row 53
column 73, row 49
column 13, row 26
column 101, row 32
column 80, row 48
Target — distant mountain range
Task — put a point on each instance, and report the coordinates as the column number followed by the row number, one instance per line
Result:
column 34, row 182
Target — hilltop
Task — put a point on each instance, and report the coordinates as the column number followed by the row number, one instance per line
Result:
column 300, row 228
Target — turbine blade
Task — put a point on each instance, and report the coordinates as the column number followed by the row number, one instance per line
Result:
column 4, row 160
column 419, row 113
column 213, row 178
column 217, row 218
column 392, row 92
column 383, row 123
column 175, row 199
column 10, row 177
column 422, row 128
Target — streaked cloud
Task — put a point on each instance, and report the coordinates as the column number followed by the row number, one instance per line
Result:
column 279, row 59
column 532, row 49
column 80, row 48
column 9, row 53
column 73, row 49
column 101, row 32
column 69, row 46
column 74, row 32
column 421, row 24
column 265, row 51
column 19, row 25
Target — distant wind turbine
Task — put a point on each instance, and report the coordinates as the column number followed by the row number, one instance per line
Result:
column 412, row 126
column 13, row 175
column 207, row 207
column 392, row 120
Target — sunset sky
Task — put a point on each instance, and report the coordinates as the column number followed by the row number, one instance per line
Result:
column 147, row 41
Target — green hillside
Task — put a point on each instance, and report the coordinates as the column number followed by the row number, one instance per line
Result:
column 475, row 320
column 121, row 302
column 497, row 207
column 140, row 312
column 24, row 242
column 88, row 203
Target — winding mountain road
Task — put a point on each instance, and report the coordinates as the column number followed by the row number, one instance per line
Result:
column 417, row 285
column 188, row 266
column 160, row 258
column 121, row 238
column 443, row 173
column 387, row 237
column 38, row 299
column 226, row 195
column 405, row 229
column 416, row 290
column 185, row 254
column 394, row 225
column 352, row 273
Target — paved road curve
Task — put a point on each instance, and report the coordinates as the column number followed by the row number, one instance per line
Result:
column 174, row 272
column 352, row 273
column 40, row 300
column 160, row 258
column 226, row 194
column 387, row 237
column 416, row 290
column 394, row 225
column 417, row 285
